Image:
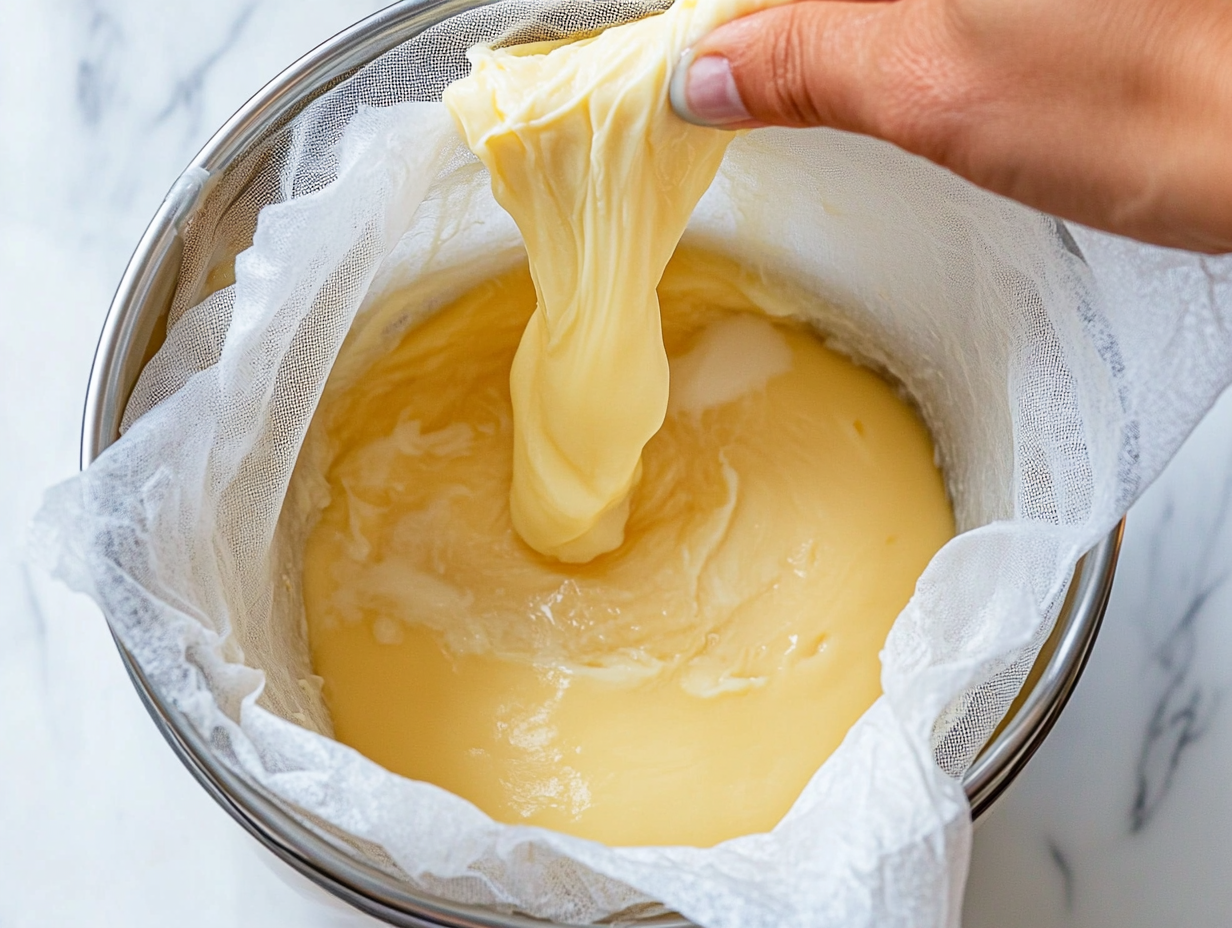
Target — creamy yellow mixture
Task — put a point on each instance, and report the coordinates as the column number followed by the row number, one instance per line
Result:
column 679, row 690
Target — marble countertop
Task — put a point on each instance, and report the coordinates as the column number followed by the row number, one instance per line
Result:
column 1123, row 819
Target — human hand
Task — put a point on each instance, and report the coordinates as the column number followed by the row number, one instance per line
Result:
column 1113, row 113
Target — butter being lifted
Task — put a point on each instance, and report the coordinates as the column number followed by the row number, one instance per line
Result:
column 600, row 176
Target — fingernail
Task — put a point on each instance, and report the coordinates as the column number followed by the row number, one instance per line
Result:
column 704, row 92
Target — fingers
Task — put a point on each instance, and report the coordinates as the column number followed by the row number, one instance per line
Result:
column 1116, row 115
column 810, row 63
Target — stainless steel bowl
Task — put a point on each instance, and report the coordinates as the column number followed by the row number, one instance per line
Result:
column 134, row 322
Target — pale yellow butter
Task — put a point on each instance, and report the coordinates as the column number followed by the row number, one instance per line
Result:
column 679, row 690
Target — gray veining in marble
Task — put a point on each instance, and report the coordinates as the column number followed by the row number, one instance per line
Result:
column 1124, row 818
column 186, row 93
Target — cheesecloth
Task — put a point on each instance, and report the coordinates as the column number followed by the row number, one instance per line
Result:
column 1056, row 389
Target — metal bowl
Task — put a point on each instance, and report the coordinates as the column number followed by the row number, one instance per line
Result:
column 134, row 327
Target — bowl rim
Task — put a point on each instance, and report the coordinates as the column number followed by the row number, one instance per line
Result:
column 134, row 310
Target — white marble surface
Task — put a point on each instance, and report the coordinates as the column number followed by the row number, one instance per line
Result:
column 1123, row 819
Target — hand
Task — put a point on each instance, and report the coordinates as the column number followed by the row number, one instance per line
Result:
column 1113, row 113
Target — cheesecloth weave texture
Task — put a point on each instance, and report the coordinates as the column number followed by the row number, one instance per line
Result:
column 1056, row 389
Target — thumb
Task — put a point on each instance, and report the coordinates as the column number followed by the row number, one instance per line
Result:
column 808, row 63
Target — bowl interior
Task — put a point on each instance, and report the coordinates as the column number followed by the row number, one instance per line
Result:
column 136, row 326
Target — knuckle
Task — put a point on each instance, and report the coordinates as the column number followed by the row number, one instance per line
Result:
column 788, row 92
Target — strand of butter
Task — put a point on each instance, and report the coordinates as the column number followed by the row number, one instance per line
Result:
column 600, row 175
